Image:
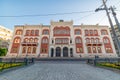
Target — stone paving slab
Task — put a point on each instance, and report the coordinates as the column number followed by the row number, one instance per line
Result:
column 60, row 71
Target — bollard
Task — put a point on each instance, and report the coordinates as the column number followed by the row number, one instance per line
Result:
column 26, row 61
column 94, row 62
column 33, row 60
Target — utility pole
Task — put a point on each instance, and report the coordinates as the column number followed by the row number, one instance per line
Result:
column 111, row 24
column 114, row 15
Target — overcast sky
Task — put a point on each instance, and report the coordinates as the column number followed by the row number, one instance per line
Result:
column 43, row 7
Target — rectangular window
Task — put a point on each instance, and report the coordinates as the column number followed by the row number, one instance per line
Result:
column 81, row 50
column 32, row 32
column 78, row 50
column 37, row 32
column 86, row 32
column 77, row 32
column 89, row 49
column 45, row 32
column 27, row 32
column 14, row 50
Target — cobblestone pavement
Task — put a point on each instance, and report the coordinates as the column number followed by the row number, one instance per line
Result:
column 60, row 71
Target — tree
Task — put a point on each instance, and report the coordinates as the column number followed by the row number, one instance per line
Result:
column 3, row 51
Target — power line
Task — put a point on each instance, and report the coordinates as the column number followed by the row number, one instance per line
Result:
column 117, row 3
column 54, row 14
column 101, row 19
column 85, row 16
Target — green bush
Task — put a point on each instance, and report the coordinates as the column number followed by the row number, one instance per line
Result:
column 111, row 65
column 9, row 65
column 3, row 51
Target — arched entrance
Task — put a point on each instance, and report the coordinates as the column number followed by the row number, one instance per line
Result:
column 65, row 52
column 71, row 52
column 52, row 52
column 58, row 51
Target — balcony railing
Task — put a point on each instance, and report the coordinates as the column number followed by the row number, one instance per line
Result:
column 29, row 44
column 94, row 43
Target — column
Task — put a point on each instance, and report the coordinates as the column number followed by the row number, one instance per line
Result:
column 20, row 51
column 49, row 53
column 68, row 52
column 61, row 52
column 31, row 51
column 26, row 51
column 54, row 55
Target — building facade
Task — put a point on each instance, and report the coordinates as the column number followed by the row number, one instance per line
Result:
column 118, row 36
column 61, row 39
column 5, row 37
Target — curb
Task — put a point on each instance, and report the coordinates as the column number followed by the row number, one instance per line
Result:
column 111, row 69
column 107, row 68
column 14, row 68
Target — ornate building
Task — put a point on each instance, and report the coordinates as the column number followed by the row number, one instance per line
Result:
column 5, row 37
column 61, row 39
column 118, row 36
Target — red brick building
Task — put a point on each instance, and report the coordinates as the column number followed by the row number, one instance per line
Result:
column 61, row 39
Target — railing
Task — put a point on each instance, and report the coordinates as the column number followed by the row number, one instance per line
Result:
column 29, row 43
column 6, row 63
column 95, row 61
column 94, row 43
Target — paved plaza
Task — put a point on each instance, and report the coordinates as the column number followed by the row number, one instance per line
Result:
column 60, row 71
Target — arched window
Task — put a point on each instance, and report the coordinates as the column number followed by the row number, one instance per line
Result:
column 34, row 49
column 31, row 40
column 94, row 50
column 78, row 40
column 77, row 32
column 45, row 32
column 14, row 50
column 44, row 45
column 109, row 50
column 97, row 40
column 24, row 50
column 86, row 32
column 87, row 40
column 36, row 40
column 95, row 32
column 17, row 40
column 89, row 50
column 107, row 45
column 18, row 32
column 92, row 40
column 15, row 45
column 91, row 32
column 106, row 40
column 29, row 50
column 79, row 45
column 45, row 40
column 27, row 32
column 36, row 32
column 32, row 32
column 61, row 31
column 99, row 50
column 104, row 32
column 26, row 40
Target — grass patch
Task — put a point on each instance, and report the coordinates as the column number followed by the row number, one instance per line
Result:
column 110, row 65
column 9, row 65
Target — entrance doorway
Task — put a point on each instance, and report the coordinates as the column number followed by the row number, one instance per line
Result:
column 52, row 52
column 58, row 51
column 65, row 52
column 71, row 52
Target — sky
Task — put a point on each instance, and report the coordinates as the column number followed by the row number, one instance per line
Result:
column 45, row 7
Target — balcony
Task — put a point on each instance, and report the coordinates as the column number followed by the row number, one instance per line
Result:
column 29, row 44
column 93, row 43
